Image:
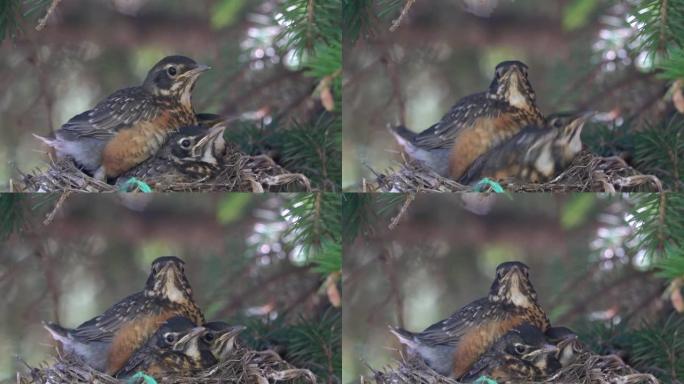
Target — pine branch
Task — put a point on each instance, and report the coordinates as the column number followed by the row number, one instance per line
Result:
column 661, row 25
column 315, row 228
column 659, row 150
column 11, row 213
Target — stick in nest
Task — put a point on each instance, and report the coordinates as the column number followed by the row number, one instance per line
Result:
column 240, row 173
column 588, row 369
column 246, row 366
column 587, row 173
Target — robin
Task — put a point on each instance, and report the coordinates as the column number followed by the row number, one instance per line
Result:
column 451, row 346
column 476, row 123
column 569, row 346
column 534, row 155
column 107, row 341
column 192, row 154
column 221, row 338
column 521, row 355
column 131, row 124
column 175, row 348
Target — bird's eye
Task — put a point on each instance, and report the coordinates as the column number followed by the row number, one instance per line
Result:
column 209, row 337
column 185, row 144
column 557, row 123
column 171, row 71
column 170, row 338
column 520, row 349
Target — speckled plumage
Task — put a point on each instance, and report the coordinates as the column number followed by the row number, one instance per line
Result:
column 132, row 123
column 194, row 153
column 535, row 154
column 521, row 355
column 174, row 348
column 108, row 340
column 476, row 123
column 452, row 345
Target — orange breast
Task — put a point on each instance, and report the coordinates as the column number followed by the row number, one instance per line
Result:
column 132, row 146
column 482, row 136
column 477, row 340
column 131, row 337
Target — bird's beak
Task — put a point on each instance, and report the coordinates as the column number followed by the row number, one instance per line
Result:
column 214, row 133
column 193, row 334
column 549, row 348
column 232, row 332
column 200, row 68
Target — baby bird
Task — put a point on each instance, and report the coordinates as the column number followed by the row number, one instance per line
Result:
column 521, row 355
column 175, row 348
column 222, row 338
column 193, row 153
column 534, row 155
column 569, row 346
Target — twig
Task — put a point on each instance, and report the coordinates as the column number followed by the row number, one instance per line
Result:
column 58, row 206
column 42, row 22
column 395, row 221
column 402, row 16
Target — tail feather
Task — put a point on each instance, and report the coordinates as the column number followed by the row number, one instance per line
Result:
column 403, row 135
column 46, row 140
column 57, row 332
column 404, row 336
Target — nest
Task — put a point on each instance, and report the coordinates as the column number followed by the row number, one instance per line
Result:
column 239, row 173
column 246, row 366
column 587, row 173
column 588, row 369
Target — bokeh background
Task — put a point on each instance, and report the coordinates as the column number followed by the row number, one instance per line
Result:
column 266, row 73
column 602, row 55
column 250, row 260
column 593, row 261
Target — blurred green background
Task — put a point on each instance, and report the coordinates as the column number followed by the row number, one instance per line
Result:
column 582, row 55
column 248, row 258
column 261, row 75
column 588, row 255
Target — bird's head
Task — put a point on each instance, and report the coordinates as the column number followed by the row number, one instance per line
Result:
column 174, row 77
column 527, row 342
column 221, row 338
column 167, row 280
column 510, row 84
column 512, row 285
column 198, row 150
column 568, row 130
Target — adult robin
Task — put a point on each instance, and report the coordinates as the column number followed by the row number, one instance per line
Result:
column 568, row 344
column 107, row 341
column 476, row 123
column 535, row 154
column 221, row 338
column 174, row 349
column 521, row 355
column 192, row 154
column 451, row 346
column 131, row 124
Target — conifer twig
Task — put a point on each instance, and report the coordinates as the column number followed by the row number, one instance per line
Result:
column 397, row 22
column 42, row 22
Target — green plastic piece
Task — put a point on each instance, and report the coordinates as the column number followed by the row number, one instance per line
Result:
column 141, row 375
column 485, row 380
column 133, row 182
column 487, row 182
